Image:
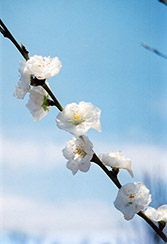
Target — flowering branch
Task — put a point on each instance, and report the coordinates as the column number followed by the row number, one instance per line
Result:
column 111, row 175
column 77, row 119
column 34, row 81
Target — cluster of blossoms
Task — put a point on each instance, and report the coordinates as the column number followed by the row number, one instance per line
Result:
column 77, row 119
column 42, row 69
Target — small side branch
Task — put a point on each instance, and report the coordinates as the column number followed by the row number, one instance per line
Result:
column 154, row 50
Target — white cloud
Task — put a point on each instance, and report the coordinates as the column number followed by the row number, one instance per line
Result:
column 31, row 153
column 147, row 157
column 81, row 218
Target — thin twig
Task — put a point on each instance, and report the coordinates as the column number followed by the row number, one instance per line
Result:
column 154, row 50
column 6, row 33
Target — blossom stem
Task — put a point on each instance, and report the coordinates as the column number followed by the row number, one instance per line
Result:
column 6, row 33
column 57, row 104
column 110, row 174
column 155, row 228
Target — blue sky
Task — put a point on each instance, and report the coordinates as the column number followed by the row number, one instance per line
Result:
column 99, row 44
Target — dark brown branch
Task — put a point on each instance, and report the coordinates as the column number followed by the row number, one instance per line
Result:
column 50, row 103
column 155, row 228
column 163, row 1
column 6, row 33
column 56, row 102
column 110, row 174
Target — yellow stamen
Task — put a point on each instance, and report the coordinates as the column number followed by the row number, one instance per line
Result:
column 163, row 210
column 76, row 116
column 80, row 152
column 131, row 196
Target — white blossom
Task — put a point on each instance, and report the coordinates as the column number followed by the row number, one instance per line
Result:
column 116, row 160
column 37, row 103
column 78, row 152
column 23, row 85
column 43, row 67
column 157, row 215
column 132, row 198
column 79, row 118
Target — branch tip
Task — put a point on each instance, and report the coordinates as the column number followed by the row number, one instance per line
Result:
column 154, row 50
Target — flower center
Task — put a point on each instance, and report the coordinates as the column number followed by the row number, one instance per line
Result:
column 80, row 152
column 131, row 196
column 77, row 119
column 76, row 116
column 163, row 211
